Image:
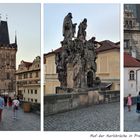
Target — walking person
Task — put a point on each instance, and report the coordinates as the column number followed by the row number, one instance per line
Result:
column 9, row 102
column 5, row 100
column 1, row 106
column 138, row 103
column 15, row 108
column 129, row 102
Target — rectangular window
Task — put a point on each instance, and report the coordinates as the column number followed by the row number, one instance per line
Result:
column 20, row 76
column 31, row 100
column 31, row 91
column 25, row 76
column 36, row 74
column 30, row 75
column 35, row 100
column 130, row 24
column 35, row 91
column 126, row 44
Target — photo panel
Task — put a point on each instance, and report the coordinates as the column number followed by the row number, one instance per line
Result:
column 131, row 67
column 20, row 43
column 82, row 67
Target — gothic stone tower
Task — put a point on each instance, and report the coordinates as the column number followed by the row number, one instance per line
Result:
column 7, row 60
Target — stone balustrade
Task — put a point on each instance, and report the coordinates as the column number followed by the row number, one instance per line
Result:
column 57, row 103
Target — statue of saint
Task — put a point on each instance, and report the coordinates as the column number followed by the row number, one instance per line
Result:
column 81, row 32
column 61, row 68
column 68, row 27
column 90, row 54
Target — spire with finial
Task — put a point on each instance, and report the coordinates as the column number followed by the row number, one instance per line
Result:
column 0, row 18
column 15, row 37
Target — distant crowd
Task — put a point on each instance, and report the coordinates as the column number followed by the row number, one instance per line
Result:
column 7, row 101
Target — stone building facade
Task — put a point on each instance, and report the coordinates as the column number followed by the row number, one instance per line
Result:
column 131, row 32
column 132, row 49
column 28, row 80
column 7, row 61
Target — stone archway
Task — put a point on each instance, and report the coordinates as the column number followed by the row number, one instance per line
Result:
column 90, row 79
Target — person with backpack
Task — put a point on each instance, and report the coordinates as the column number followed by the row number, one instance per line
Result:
column 15, row 108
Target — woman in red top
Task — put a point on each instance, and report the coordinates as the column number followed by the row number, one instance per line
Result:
column 9, row 102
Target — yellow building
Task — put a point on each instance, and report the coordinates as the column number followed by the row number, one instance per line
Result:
column 108, row 66
column 51, row 77
column 108, row 63
column 28, row 80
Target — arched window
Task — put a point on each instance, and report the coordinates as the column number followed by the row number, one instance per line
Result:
column 131, row 75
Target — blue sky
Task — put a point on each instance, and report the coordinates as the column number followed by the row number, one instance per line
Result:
column 103, row 22
column 25, row 20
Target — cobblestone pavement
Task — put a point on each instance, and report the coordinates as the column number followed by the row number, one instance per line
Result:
column 131, row 120
column 25, row 121
column 104, row 117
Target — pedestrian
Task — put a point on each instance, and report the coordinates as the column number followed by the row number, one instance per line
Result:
column 1, row 106
column 5, row 100
column 9, row 102
column 129, row 102
column 138, row 103
column 15, row 107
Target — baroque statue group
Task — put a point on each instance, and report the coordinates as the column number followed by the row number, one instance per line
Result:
column 77, row 53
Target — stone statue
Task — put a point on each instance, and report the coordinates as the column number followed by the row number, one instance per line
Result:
column 61, row 68
column 68, row 28
column 77, row 71
column 81, row 31
column 76, row 62
column 90, row 54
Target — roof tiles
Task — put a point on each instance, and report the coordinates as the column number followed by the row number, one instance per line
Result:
column 129, row 61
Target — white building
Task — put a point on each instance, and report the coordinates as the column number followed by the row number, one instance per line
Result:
column 131, row 75
column 28, row 81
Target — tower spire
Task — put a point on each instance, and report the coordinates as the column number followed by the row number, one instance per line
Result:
column 15, row 37
column 0, row 17
column 4, row 34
